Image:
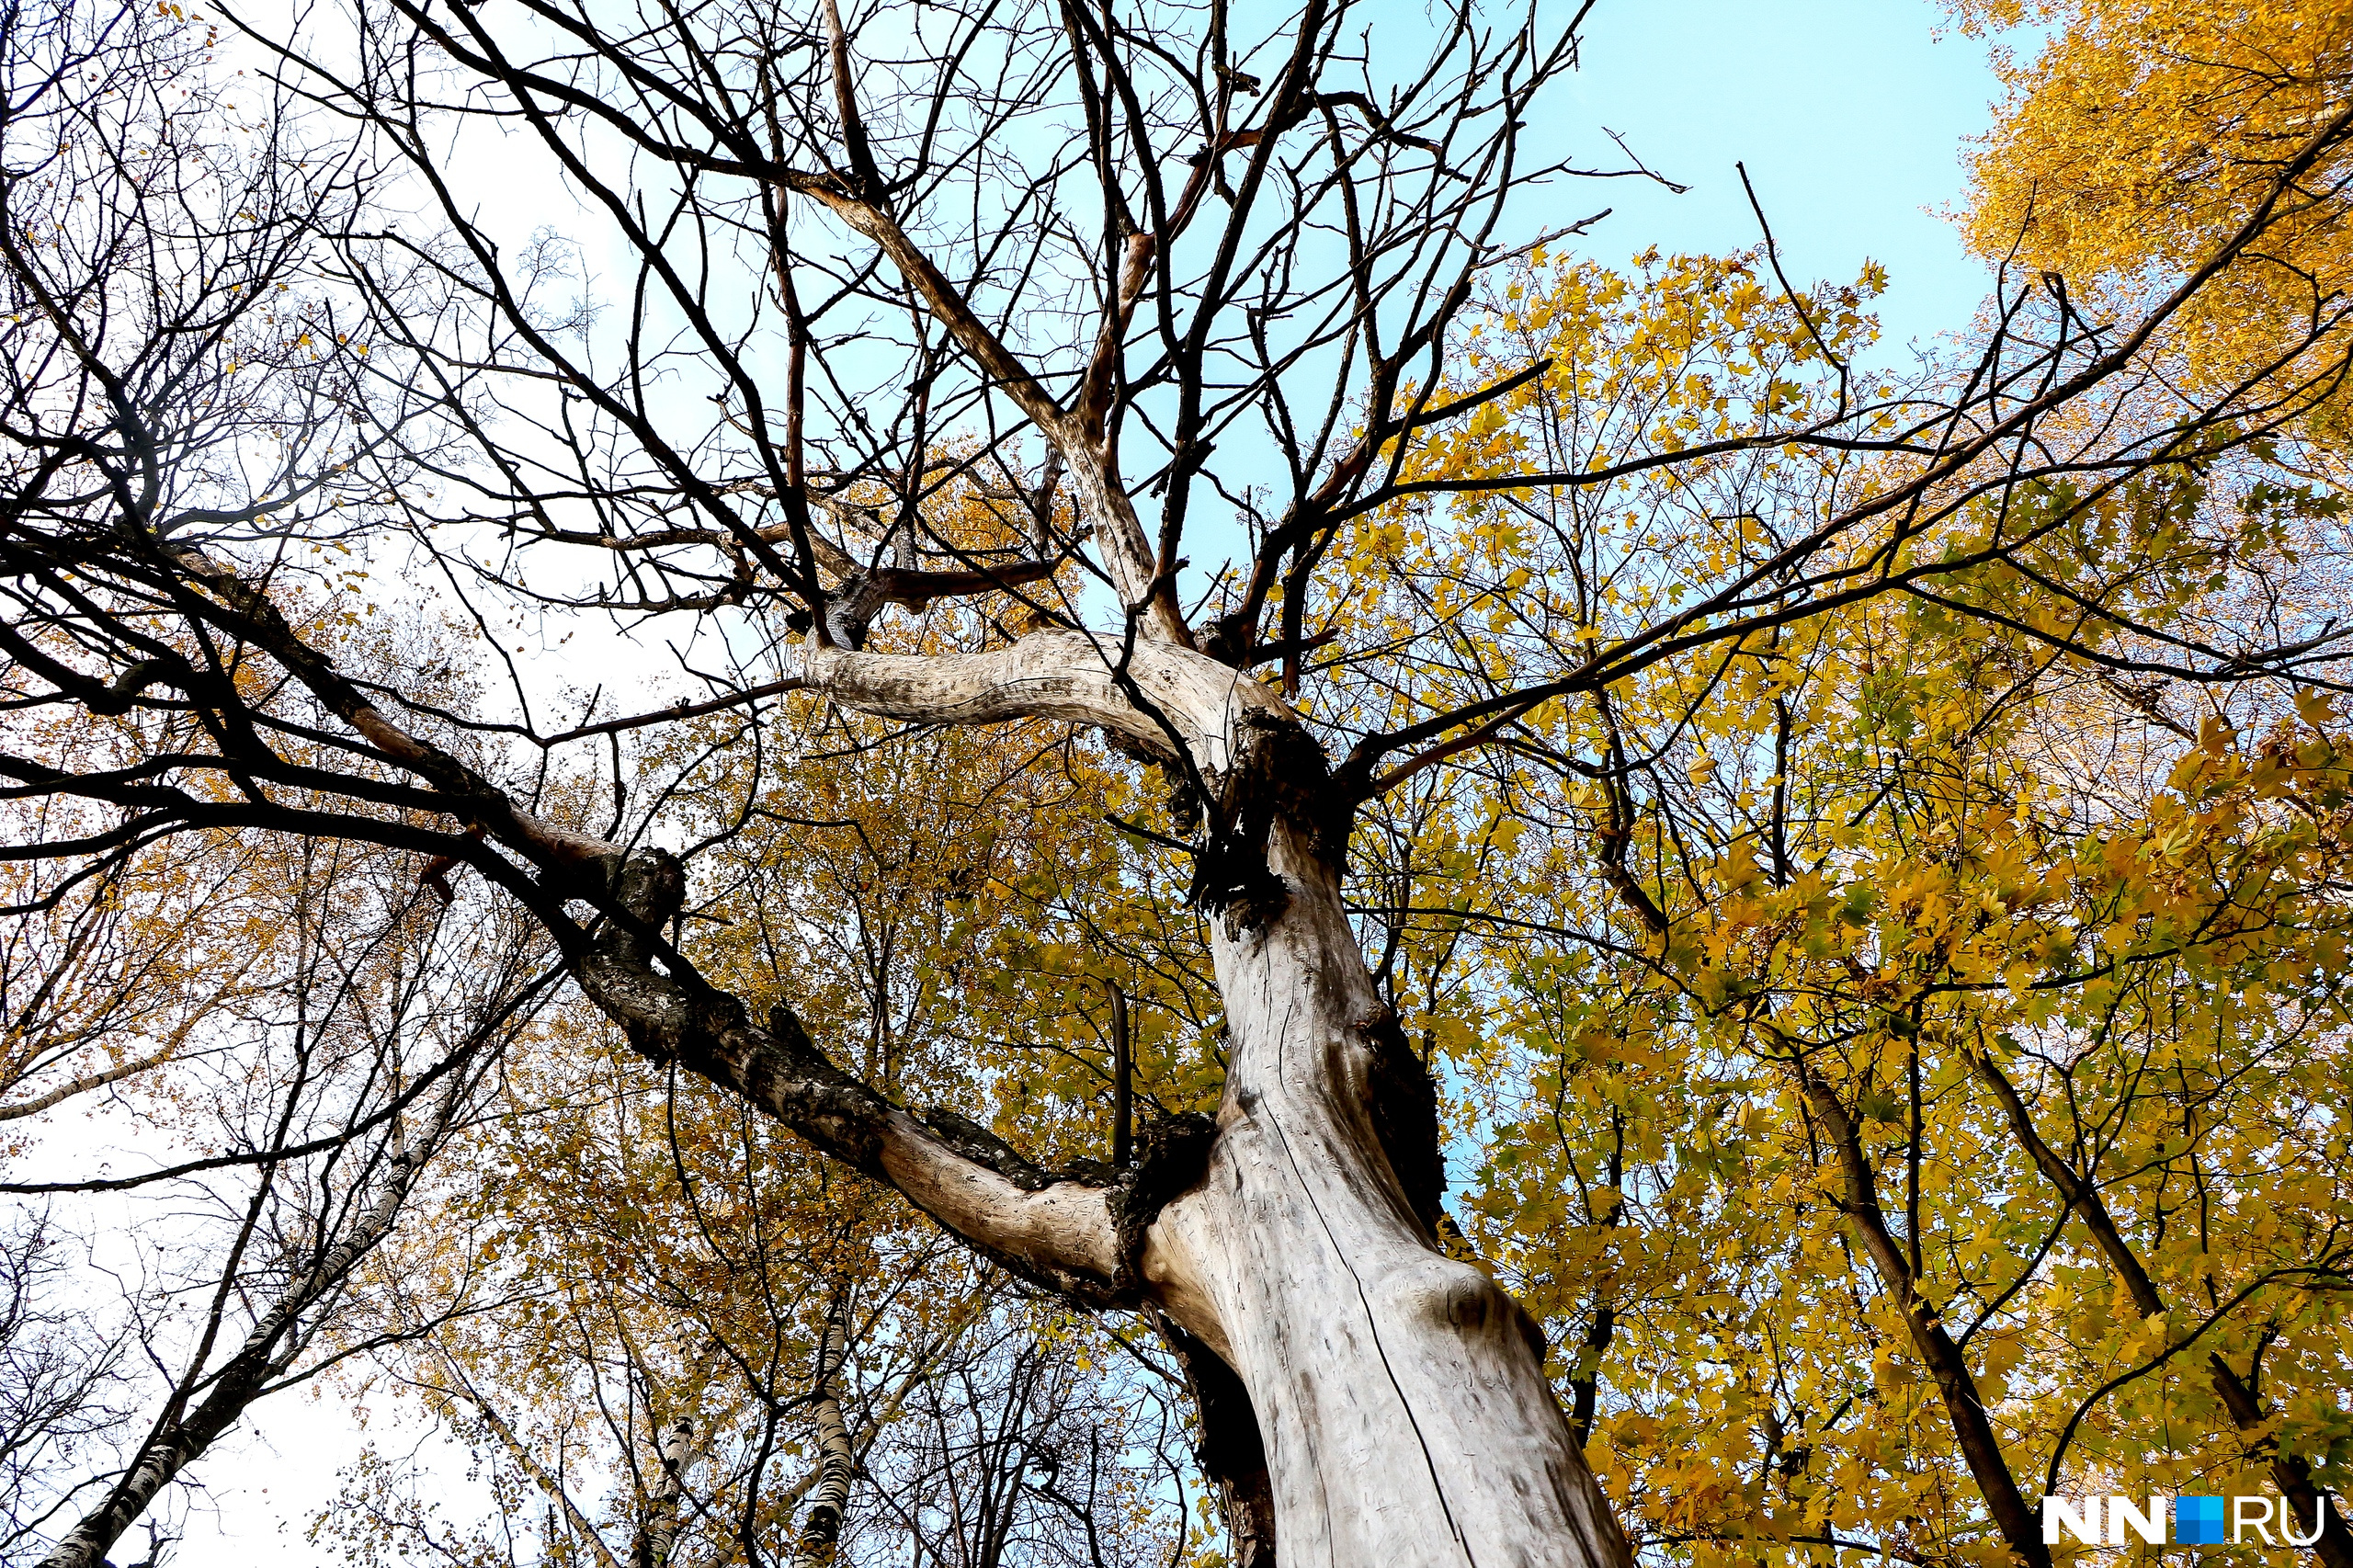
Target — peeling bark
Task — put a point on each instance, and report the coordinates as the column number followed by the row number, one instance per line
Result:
column 836, row 1463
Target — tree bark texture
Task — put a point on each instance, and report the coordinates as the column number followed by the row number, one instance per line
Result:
column 1400, row 1395
column 837, row 1461
column 661, row 1529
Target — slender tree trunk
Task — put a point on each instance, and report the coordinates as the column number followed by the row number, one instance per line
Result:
column 836, row 1463
column 1585, row 1384
column 583, row 1529
column 178, row 1439
column 1400, row 1395
column 1122, row 1082
column 661, row 1529
column 1972, row 1428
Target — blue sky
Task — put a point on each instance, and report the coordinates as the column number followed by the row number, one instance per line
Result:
column 1850, row 114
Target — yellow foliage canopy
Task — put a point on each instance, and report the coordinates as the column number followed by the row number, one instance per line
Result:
column 2141, row 136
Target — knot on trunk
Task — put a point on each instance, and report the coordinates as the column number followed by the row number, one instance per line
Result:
column 1170, row 1155
column 652, row 885
column 1279, row 775
column 1460, row 1295
column 649, row 889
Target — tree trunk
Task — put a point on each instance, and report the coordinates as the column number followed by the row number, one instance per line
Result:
column 1972, row 1427
column 837, row 1461
column 660, row 1531
column 1400, row 1395
column 179, row 1439
column 2290, row 1473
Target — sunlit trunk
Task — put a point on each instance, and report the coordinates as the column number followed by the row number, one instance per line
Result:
column 1402, row 1402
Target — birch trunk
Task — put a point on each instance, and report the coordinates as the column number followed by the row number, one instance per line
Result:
column 836, row 1463
column 661, row 1529
column 1400, row 1395
column 181, row 1437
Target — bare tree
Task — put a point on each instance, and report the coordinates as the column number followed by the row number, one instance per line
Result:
column 1006, row 1457
column 935, row 302
column 379, row 1053
column 55, row 1375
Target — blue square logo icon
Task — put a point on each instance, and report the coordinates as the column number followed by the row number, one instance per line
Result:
column 2198, row 1521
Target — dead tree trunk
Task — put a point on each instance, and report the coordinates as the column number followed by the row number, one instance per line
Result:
column 1400, row 1395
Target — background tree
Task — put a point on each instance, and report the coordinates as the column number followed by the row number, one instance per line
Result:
column 2136, row 134
column 1890, row 1075
column 634, row 1257
column 55, row 1382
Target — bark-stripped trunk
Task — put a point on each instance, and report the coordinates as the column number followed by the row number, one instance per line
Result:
column 1400, row 1395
